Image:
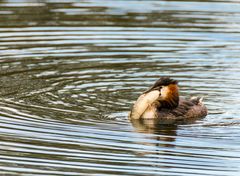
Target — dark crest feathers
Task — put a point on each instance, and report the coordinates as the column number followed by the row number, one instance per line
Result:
column 164, row 81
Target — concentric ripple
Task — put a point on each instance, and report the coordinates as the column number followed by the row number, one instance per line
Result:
column 70, row 71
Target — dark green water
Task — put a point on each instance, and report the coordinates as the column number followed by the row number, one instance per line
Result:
column 70, row 71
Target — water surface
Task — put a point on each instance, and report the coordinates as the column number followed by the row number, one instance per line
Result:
column 70, row 71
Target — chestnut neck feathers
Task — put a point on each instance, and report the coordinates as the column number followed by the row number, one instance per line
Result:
column 169, row 97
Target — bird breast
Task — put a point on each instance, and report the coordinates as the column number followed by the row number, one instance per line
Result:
column 143, row 103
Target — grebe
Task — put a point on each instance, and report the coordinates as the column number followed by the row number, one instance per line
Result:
column 162, row 102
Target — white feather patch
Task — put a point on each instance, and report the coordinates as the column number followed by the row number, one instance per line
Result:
column 142, row 103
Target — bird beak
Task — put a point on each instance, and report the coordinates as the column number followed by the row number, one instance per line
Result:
column 152, row 89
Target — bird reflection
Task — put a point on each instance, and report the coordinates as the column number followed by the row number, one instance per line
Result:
column 163, row 132
column 162, row 140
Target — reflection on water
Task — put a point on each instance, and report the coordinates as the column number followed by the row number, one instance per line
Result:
column 162, row 132
column 70, row 71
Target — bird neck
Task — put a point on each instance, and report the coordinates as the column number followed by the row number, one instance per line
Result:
column 170, row 97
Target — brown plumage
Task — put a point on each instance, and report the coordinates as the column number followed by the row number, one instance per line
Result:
column 171, row 99
column 162, row 101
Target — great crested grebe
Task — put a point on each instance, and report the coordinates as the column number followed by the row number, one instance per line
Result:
column 162, row 102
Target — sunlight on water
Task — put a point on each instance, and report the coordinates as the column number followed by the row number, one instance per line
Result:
column 70, row 71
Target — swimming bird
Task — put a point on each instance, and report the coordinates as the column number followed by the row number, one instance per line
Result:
column 161, row 101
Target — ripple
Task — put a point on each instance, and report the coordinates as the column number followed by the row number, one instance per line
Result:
column 71, row 70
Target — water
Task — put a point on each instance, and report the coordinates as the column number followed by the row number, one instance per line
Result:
column 71, row 70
